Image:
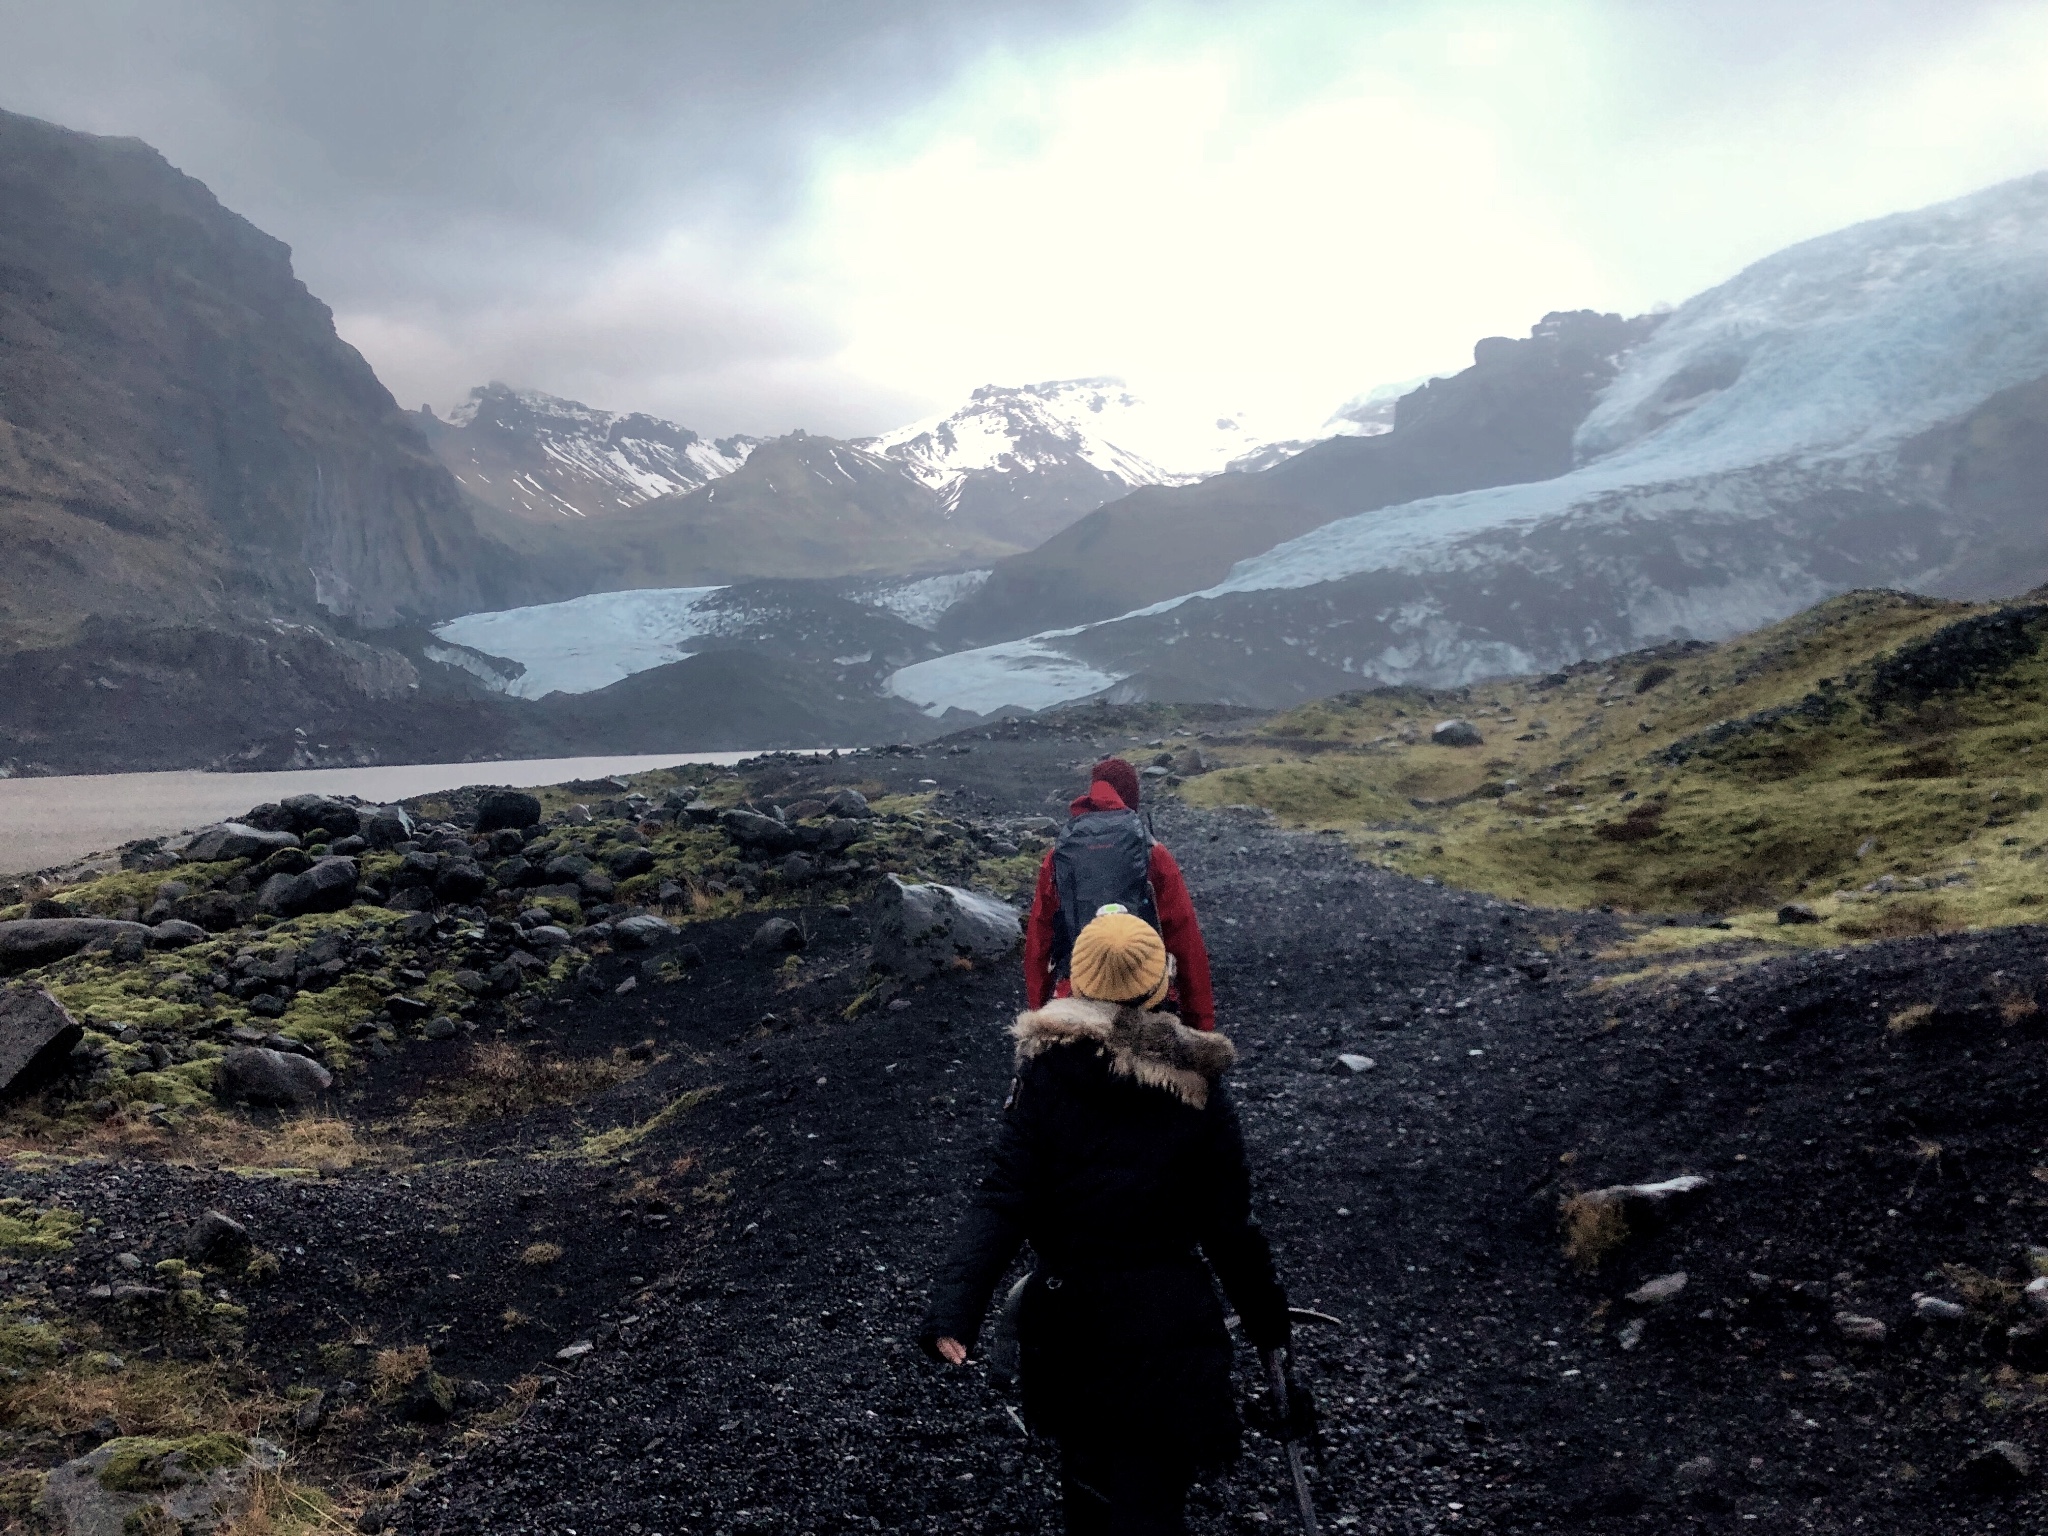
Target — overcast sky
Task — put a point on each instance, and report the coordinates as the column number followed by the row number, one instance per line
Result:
column 843, row 214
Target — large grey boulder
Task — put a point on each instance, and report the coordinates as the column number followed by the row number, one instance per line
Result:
column 921, row 930
column 175, row 933
column 385, row 826
column 850, row 803
column 36, row 1035
column 32, row 941
column 642, row 931
column 134, row 1484
column 750, row 829
column 329, row 886
column 235, row 840
column 275, row 1078
column 216, row 1238
column 1457, row 733
column 498, row 809
column 318, row 813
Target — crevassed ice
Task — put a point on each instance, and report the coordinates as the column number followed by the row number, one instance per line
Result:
column 1021, row 674
column 590, row 642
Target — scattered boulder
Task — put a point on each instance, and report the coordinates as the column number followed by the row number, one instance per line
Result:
column 498, row 809
column 1936, row 1309
column 175, row 933
column 1655, row 1293
column 386, row 826
column 1356, row 1064
column 630, row 861
column 643, row 931
column 213, row 911
column 37, row 1034
column 329, row 886
column 460, row 881
column 429, row 1400
column 137, row 1484
column 849, row 803
column 1796, row 912
column 321, row 813
column 921, row 930
column 1999, row 1466
column 2036, row 1295
column 777, row 936
column 1860, row 1330
column 216, row 1238
column 29, row 942
column 235, row 840
column 750, row 829
column 441, row 1027
column 1456, row 733
column 262, row 1076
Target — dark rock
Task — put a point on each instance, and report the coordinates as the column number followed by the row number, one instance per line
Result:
column 547, row 936
column 459, row 881
column 499, row 809
column 641, row 932
column 777, row 936
column 386, row 826
column 1456, row 733
column 157, row 1489
column 595, row 885
column 628, row 862
column 2000, row 1466
column 286, row 861
column 415, row 870
column 219, row 1240
column 798, row 868
column 566, row 869
column 37, row 1035
column 270, row 1077
column 441, row 1027
column 235, row 840
column 174, row 933
column 1797, row 912
column 701, row 811
column 312, row 1413
column 750, row 829
column 429, row 1400
column 417, row 899
column 921, row 930
column 329, row 886
column 849, row 803
column 349, row 846
column 214, row 911
column 406, row 1010
column 314, row 813
column 515, row 873
column 32, row 941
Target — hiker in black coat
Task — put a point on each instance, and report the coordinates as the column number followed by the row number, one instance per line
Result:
column 1119, row 1157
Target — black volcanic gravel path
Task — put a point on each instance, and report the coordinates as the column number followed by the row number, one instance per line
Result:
column 1476, row 1381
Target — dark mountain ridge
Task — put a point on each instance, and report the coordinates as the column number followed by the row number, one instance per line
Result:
column 182, row 433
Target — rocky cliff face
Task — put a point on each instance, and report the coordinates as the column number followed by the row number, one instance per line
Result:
column 182, row 434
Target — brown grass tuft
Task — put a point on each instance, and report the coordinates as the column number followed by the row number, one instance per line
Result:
column 2017, row 1006
column 396, row 1369
column 501, row 1080
column 1593, row 1230
column 1895, row 920
column 1906, row 1020
column 540, row 1255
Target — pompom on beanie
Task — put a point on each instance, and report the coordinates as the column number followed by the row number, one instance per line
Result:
column 1120, row 958
column 1119, row 776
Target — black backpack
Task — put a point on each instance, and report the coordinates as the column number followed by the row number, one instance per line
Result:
column 1100, row 857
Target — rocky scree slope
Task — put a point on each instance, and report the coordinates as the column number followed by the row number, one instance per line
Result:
column 182, row 435
column 1859, row 410
column 735, row 1352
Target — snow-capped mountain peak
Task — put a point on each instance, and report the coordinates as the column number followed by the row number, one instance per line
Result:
column 539, row 456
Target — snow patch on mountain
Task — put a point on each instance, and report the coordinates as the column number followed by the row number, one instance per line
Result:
column 1776, row 402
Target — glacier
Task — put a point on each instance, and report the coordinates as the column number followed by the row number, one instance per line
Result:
column 1745, row 461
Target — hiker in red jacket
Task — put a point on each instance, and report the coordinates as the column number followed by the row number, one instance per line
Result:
column 1152, row 880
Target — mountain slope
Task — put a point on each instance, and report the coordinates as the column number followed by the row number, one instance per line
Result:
column 1862, row 410
column 537, row 458
column 1510, row 417
column 182, row 434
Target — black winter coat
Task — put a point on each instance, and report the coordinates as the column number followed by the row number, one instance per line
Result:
column 1120, row 1160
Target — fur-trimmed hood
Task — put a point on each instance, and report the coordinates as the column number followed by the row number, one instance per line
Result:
column 1151, row 1048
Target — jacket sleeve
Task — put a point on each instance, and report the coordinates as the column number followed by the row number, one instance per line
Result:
column 990, row 1233
column 1038, row 938
column 1232, row 1239
column 1183, row 935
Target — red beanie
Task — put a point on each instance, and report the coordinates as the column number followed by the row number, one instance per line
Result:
column 1119, row 776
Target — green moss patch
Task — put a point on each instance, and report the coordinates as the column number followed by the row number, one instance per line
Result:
column 29, row 1233
column 140, row 1464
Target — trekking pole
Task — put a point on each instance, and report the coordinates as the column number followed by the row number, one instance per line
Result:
column 1276, row 1378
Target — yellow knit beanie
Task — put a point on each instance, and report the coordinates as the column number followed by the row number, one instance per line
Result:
column 1120, row 958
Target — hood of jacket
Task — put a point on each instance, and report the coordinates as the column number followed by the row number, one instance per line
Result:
column 1154, row 1049
column 1100, row 797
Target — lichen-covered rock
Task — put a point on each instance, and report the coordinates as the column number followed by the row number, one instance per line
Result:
column 32, row 941
column 275, row 1078
column 235, row 840
column 175, row 933
column 36, row 1035
column 195, row 1484
column 631, row 861
column 921, row 930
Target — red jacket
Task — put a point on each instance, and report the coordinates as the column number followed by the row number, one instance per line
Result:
column 1177, row 925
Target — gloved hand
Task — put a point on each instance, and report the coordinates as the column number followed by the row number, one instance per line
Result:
column 1299, row 1421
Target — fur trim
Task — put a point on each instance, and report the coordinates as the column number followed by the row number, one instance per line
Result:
column 1151, row 1048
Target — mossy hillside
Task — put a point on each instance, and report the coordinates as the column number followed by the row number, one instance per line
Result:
column 1720, row 779
column 26, row 1232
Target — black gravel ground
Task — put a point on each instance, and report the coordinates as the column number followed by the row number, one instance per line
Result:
column 751, row 1280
